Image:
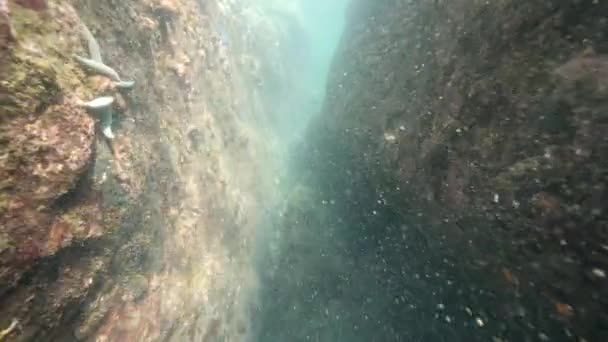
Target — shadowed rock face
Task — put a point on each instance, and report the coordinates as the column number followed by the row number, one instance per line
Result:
column 464, row 142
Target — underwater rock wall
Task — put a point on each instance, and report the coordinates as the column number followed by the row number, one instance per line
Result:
column 145, row 236
column 462, row 145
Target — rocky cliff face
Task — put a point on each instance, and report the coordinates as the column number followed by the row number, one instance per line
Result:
column 462, row 144
column 145, row 236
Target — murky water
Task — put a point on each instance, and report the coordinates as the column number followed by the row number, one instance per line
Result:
column 435, row 197
column 303, row 170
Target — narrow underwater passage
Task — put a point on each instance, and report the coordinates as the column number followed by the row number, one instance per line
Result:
column 303, row 170
column 453, row 185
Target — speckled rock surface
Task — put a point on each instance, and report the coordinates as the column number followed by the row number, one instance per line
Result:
column 462, row 144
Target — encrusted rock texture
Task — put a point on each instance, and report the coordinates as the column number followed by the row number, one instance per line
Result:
column 144, row 237
column 470, row 139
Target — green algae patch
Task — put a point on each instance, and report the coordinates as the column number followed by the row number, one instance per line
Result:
column 31, row 86
column 40, row 64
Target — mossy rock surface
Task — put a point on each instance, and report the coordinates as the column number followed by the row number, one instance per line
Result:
column 48, row 141
column 93, row 234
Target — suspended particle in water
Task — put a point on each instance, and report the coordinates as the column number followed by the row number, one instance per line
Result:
column 598, row 272
column 389, row 137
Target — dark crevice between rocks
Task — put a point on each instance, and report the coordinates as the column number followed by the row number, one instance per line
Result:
column 80, row 191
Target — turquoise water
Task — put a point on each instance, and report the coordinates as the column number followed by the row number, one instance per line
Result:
column 311, row 32
column 304, row 170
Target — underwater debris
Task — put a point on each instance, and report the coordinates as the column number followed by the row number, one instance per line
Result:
column 103, row 107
